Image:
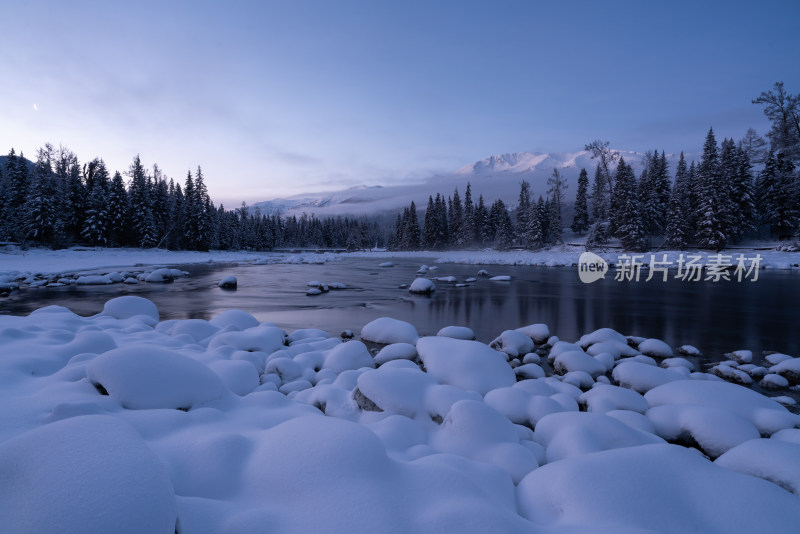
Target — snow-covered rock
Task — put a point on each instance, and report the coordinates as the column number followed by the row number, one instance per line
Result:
column 642, row 377
column 388, row 330
column 655, row 348
column 144, row 377
column 468, row 365
column 396, row 351
column 538, row 332
column 457, row 332
column 422, row 286
column 773, row 460
column 513, row 342
column 229, row 282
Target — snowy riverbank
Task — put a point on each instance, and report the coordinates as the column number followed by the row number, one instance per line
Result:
column 119, row 422
column 82, row 260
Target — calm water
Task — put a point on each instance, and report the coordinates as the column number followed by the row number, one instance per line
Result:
column 715, row 317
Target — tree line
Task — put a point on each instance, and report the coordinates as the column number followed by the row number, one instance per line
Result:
column 56, row 202
column 716, row 202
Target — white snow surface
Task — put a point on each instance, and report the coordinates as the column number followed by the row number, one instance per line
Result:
column 121, row 423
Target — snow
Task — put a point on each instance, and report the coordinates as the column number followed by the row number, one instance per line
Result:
column 229, row 282
column 144, row 377
column 500, row 278
column 396, row 351
column 538, row 332
column 422, row 285
column 457, row 332
column 513, row 342
column 655, row 348
column 91, row 473
column 653, row 488
column 642, row 377
column 771, row 459
column 469, row 365
column 118, row 422
column 389, row 330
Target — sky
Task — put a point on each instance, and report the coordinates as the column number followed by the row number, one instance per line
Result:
column 273, row 98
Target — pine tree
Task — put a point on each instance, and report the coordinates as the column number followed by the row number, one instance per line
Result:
column 483, row 228
column 523, row 212
column 429, row 226
column 709, row 226
column 501, row 221
column 456, row 220
column 580, row 222
column 535, row 236
column 787, row 209
column 600, row 197
column 39, row 215
column 413, row 239
column 141, row 211
column 630, row 227
column 767, row 193
column 677, row 236
column 556, row 188
column 117, row 211
column 744, row 196
column 467, row 237
column 543, row 208
column 623, row 181
column 95, row 225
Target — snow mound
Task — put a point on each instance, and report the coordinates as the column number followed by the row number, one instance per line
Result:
column 468, row 365
column 604, row 398
column 577, row 360
column 388, row 330
column 422, row 286
column 144, row 377
column 614, row 491
column 229, row 282
column 513, row 342
column 93, row 280
column 84, row 474
column 130, row 306
column 538, row 332
column 569, row 434
column 500, row 278
column 771, row 459
column 457, row 332
column 655, row 348
column 714, row 430
column 238, row 319
column 642, row 377
column 765, row 414
column 396, row 351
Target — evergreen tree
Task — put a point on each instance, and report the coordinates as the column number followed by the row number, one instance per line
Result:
column 467, row 237
column 786, row 209
column 95, row 225
column 580, row 222
column 501, row 221
column 39, row 215
column 677, row 236
column 709, row 226
column 556, row 188
column 429, row 226
column 140, row 206
column 744, row 196
column 456, row 221
column 117, row 211
column 412, row 230
column 535, row 236
column 543, row 208
column 623, row 181
column 523, row 213
column 483, row 228
column 600, row 197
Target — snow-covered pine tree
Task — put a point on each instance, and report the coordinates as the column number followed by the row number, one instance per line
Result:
column 600, row 196
column 412, row 230
column 743, row 195
column 619, row 195
column 141, row 211
column 630, row 228
column 442, row 232
column 456, row 220
column 483, row 227
column 39, row 215
column 501, row 221
column 543, row 208
column 709, row 224
column 535, row 237
column 580, row 222
column 728, row 207
column 429, row 226
column 117, row 211
column 467, row 237
column 786, row 209
column 95, row 224
column 523, row 213
column 677, row 234
column 556, row 187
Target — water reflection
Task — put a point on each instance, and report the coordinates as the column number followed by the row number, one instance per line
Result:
column 715, row 317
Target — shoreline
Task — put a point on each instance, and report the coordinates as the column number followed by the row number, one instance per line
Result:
column 90, row 260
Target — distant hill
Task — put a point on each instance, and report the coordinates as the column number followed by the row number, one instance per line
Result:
column 494, row 177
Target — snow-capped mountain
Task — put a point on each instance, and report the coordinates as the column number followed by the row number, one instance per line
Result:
column 494, row 177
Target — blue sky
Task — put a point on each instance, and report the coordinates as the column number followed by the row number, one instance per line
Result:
column 275, row 98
